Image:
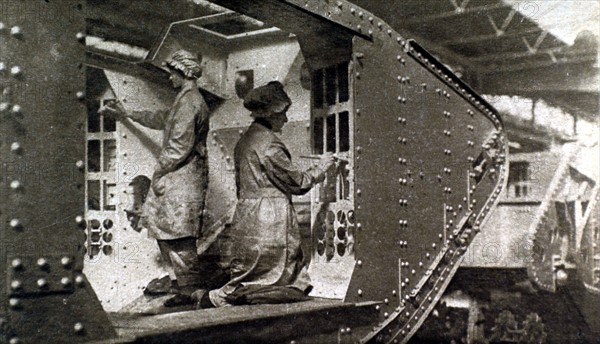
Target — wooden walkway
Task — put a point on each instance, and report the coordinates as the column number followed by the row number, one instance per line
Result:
column 279, row 323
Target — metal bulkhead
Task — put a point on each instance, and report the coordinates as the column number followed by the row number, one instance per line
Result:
column 44, row 294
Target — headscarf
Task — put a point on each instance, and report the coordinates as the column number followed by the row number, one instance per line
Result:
column 186, row 63
column 264, row 101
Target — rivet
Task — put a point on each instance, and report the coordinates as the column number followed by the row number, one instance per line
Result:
column 42, row 262
column 16, row 31
column 359, row 28
column 359, row 226
column 433, row 245
column 78, row 327
column 80, row 95
column 358, row 192
column 394, row 292
column 385, row 315
column 359, row 263
column 16, row 285
column 377, row 307
column 79, row 280
column 16, row 263
column 16, row 109
column 427, row 255
column 79, row 220
column 65, row 281
column 65, row 261
column 352, row 10
column 80, row 36
column 15, row 224
column 339, row 4
column 15, row 185
column 361, row 14
column 14, row 303
column 42, row 283
column 14, row 340
column 2, row 27
column 15, row 147
column 16, row 71
column 348, row 329
column 389, row 32
column 360, row 292
column 4, row 106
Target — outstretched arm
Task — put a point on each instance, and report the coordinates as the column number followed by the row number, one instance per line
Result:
column 150, row 119
column 289, row 177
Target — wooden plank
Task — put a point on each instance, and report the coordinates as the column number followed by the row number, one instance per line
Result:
column 250, row 324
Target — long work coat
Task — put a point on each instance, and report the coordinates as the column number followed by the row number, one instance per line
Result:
column 264, row 238
column 183, row 161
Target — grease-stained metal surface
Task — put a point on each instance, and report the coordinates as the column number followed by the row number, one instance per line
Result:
column 44, row 296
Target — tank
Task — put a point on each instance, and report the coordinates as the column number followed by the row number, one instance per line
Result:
column 532, row 274
column 423, row 162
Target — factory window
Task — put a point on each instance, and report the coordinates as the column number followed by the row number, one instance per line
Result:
column 330, row 85
column 519, row 179
column 331, row 119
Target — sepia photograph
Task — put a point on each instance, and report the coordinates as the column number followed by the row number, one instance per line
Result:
column 300, row 171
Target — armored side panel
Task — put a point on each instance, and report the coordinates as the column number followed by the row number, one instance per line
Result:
column 429, row 166
column 44, row 295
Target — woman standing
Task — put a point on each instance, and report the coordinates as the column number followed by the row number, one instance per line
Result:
column 172, row 211
column 266, row 256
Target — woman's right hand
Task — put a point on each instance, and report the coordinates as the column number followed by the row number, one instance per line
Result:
column 113, row 109
column 326, row 161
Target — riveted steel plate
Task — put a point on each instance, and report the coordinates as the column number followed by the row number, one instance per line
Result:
column 42, row 154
